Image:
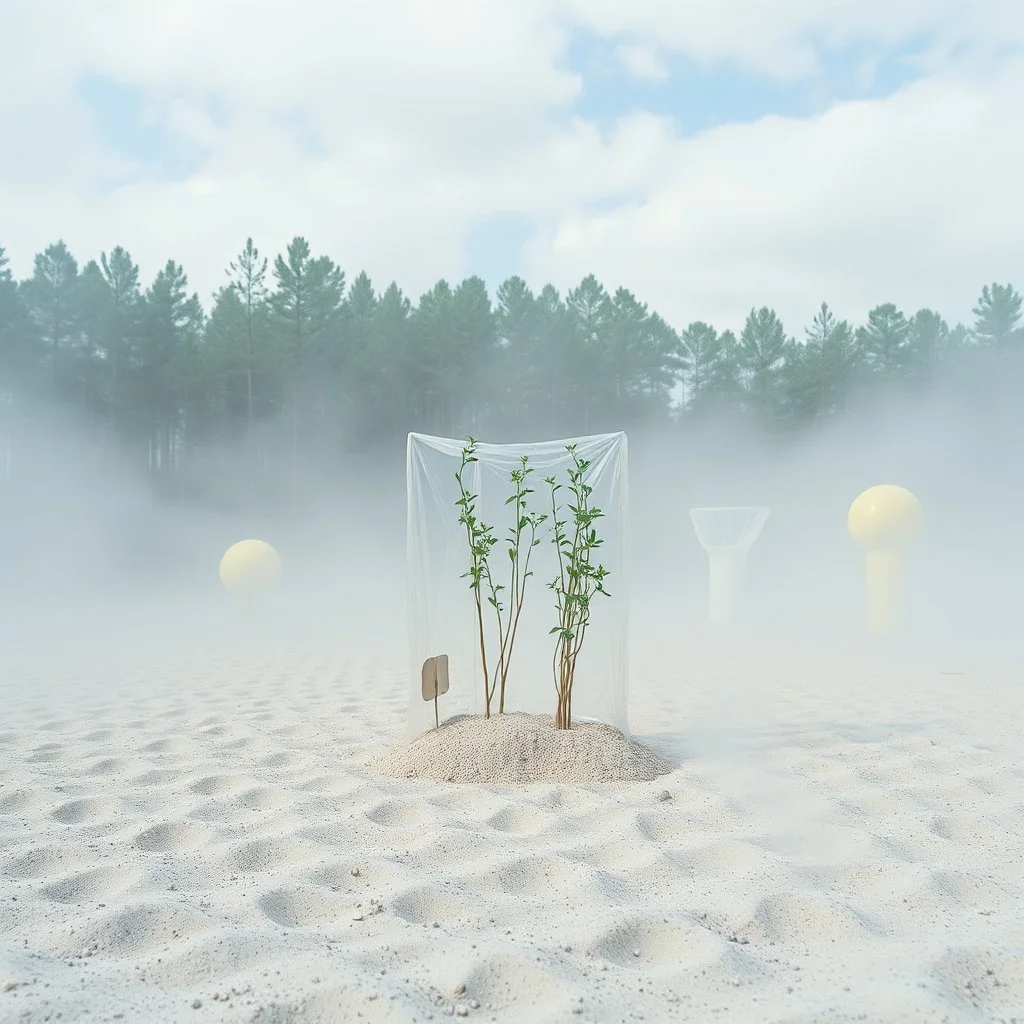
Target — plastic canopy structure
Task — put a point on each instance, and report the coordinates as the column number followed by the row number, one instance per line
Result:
column 441, row 613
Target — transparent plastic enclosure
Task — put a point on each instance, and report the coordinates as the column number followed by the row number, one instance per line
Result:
column 727, row 534
column 441, row 611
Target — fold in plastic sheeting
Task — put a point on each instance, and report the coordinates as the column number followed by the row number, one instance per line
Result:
column 441, row 611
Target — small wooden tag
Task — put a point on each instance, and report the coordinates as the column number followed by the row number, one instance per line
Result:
column 442, row 673
column 434, row 677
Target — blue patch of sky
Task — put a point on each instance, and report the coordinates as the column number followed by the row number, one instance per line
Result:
column 697, row 98
column 126, row 125
column 144, row 139
column 494, row 246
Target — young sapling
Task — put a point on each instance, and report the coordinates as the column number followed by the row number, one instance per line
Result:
column 578, row 580
column 522, row 539
column 481, row 539
column 526, row 523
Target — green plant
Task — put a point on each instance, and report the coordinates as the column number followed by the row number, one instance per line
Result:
column 480, row 538
column 519, row 569
column 578, row 580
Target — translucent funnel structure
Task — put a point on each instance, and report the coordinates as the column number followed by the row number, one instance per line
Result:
column 726, row 534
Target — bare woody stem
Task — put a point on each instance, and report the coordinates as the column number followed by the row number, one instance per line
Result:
column 498, row 672
column 520, row 570
column 508, row 640
column 473, row 537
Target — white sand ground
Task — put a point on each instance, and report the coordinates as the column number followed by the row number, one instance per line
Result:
column 515, row 747
column 193, row 837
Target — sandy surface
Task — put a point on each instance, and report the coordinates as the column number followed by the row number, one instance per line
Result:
column 194, row 837
column 514, row 747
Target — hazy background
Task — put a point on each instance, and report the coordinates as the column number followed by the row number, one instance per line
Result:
column 94, row 546
column 594, row 220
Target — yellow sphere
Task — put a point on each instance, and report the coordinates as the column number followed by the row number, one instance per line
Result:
column 250, row 567
column 885, row 517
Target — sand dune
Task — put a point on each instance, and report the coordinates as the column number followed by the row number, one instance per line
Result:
column 197, row 838
column 520, row 748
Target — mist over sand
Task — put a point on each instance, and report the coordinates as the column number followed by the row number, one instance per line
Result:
column 188, row 830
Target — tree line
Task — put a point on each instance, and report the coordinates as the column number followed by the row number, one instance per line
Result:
column 294, row 361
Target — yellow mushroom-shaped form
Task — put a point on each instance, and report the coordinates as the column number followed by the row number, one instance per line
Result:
column 250, row 568
column 885, row 520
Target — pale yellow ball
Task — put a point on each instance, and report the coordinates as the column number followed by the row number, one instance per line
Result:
column 885, row 517
column 250, row 568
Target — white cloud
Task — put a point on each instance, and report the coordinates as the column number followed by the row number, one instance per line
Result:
column 913, row 199
column 384, row 129
column 418, row 108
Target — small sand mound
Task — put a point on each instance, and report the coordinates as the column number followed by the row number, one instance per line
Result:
column 516, row 747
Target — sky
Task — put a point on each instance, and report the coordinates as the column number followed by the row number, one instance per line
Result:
column 709, row 155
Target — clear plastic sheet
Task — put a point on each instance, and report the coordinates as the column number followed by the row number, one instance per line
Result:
column 441, row 615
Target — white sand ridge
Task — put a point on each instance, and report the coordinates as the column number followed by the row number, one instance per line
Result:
column 193, row 838
column 515, row 747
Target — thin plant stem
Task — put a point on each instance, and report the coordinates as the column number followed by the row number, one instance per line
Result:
column 577, row 582
column 481, row 540
column 520, row 567
column 477, row 537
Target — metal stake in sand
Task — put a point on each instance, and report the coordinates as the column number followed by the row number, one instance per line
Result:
column 885, row 520
column 435, row 681
column 250, row 569
column 727, row 535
